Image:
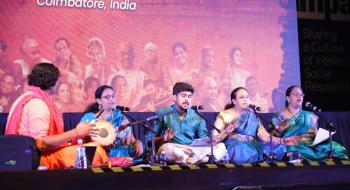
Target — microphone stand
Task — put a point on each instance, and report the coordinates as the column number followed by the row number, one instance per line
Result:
column 134, row 121
column 152, row 156
column 212, row 159
column 271, row 129
column 331, row 154
column 151, row 153
column 330, row 127
column 272, row 156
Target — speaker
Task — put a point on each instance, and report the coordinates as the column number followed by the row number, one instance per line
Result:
column 18, row 153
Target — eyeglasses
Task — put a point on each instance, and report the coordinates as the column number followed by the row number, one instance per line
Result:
column 243, row 97
column 297, row 94
column 107, row 97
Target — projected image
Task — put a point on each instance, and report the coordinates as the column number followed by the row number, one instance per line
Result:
column 214, row 45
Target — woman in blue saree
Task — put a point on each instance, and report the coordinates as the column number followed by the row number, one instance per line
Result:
column 241, row 129
column 125, row 144
column 293, row 121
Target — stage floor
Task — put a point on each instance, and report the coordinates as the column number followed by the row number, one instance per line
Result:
column 306, row 175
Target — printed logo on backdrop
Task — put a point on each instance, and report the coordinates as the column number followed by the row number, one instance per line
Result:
column 324, row 52
column 90, row 4
column 324, row 9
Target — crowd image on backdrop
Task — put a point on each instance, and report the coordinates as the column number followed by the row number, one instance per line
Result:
column 144, row 87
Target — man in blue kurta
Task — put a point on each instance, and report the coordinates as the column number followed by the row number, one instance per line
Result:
column 176, row 131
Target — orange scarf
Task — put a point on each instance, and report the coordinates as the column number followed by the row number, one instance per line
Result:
column 56, row 120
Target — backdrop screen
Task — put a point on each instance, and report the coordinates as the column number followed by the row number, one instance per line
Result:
column 142, row 48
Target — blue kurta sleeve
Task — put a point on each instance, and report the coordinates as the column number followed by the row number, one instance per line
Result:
column 157, row 128
column 202, row 129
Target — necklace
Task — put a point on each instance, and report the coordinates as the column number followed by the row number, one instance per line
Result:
column 292, row 114
column 105, row 115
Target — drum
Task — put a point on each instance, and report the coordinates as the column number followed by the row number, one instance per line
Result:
column 107, row 134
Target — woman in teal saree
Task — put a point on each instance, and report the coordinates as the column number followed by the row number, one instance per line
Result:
column 293, row 121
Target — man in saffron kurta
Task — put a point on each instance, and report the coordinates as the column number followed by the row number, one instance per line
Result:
column 34, row 114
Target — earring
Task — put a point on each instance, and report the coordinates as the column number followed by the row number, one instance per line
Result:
column 99, row 106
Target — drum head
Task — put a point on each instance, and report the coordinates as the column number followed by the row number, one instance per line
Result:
column 107, row 134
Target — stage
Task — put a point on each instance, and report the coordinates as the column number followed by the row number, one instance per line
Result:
column 341, row 121
column 306, row 175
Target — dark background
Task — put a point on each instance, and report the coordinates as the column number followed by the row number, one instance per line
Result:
column 326, row 84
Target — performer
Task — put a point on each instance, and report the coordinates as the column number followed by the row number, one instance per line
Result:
column 34, row 114
column 175, row 132
column 294, row 121
column 240, row 128
column 125, row 144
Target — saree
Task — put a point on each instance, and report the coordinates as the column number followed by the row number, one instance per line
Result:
column 241, row 144
column 304, row 124
column 120, row 148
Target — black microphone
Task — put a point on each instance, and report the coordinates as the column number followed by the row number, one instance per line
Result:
column 99, row 113
column 199, row 107
column 122, row 108
column 254, row 107
column 312, row 107
column 160, row 115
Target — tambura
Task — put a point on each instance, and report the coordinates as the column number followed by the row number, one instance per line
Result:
column 107, row 134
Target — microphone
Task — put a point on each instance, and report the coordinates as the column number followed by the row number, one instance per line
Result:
column 199, row 107
column 161, row 115
column 93, row 122
column 312, row 107
column 99, row 113
column 122, row 108
column 254, row 107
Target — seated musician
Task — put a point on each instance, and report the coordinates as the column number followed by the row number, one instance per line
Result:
column 35, row 114
column 125, row 144
column 293, row 121
column 240, row 129
column 176, row 131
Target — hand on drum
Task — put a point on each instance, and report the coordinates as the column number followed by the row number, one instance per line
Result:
column 94, row 132
column 85, row 129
